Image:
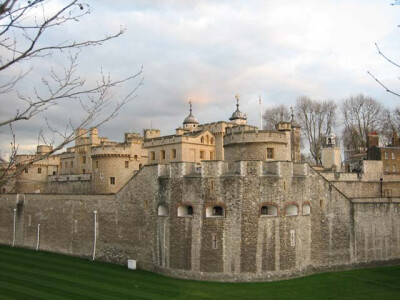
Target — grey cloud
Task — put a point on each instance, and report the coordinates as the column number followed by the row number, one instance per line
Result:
column 210, row 50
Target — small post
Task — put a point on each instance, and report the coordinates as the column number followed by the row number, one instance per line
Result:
column 95, row 234
column 381, row 186
column 38, row 237
column 14, row 225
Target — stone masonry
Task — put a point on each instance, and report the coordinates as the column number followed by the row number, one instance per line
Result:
column 315, row 227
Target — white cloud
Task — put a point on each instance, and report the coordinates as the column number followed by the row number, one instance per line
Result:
column 210, row 50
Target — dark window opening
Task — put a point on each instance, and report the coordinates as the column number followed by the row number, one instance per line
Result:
column 264, row 210
column 218, row 211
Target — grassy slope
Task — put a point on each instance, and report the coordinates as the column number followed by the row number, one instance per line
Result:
column 27, row 274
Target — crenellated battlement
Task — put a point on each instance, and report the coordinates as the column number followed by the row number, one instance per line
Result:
column 217, row 168
column 243, row 135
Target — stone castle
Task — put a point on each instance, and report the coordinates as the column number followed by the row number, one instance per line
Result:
column 220, row 201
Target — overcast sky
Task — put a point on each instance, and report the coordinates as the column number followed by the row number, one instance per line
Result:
column 208, row 51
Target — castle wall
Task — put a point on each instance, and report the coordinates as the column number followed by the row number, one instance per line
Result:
column 377, row 229
column 240, row 244
column 124, row 227
column 79, row 187
column 368, row 189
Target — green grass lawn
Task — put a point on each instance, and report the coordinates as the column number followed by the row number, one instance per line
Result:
column 28, row 274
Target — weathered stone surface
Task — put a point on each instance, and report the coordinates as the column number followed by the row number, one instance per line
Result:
column 239, row 245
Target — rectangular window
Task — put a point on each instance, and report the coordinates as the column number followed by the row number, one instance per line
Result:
column 71, row 164
column 292, row 238
column 162, row 154
column 66, row 165
column 387, row 168
column 153, row 155
column 39, row 170
column 212, row 185
column 386, row 155
column 26, row 170
column 202, row 155
column 126, row 164
column 214, row 241
column 173, row 153
column 97, row 164
column 393, row 155
column 83, row 171
column 270, row 153
column 112, row 180
column 84, row 159
column 394, row 168
column 211, row 155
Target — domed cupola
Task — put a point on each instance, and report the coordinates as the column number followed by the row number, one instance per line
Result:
column 293, row 122
column 238, row 117
column 190, row 122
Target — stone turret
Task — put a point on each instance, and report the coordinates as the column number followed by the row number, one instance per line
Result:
column 190, row 123
column 330, row 155
column 295, row 139
column 151, row 133
column 238, row 117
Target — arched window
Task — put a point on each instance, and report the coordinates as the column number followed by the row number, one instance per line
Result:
column 212, row 141
column 215, row 211
column 207, row 139
column 4, row 190
column 185, row 210
column 291, row 210
column 269, row 210
column 135, row 157
column 306, row 209
column 202, row 140
column 140, row 166
column 162, row 210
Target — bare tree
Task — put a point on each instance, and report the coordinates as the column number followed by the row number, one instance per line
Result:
column 361, row 115
column 316, row 119
column 395, row 119
column 274, row 115
column 390, row 124
column 23, row 28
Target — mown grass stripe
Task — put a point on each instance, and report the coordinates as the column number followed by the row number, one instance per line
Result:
column 95, row 278
column 129, row 277
column 96, row 288
column 43, row 275
column 23, row 290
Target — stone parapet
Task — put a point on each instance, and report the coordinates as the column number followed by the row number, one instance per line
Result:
column 234, row 136
column 70, row 177
column 215, row 168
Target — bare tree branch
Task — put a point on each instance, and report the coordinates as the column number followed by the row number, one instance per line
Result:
column 384, row 86
column 23, row 25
